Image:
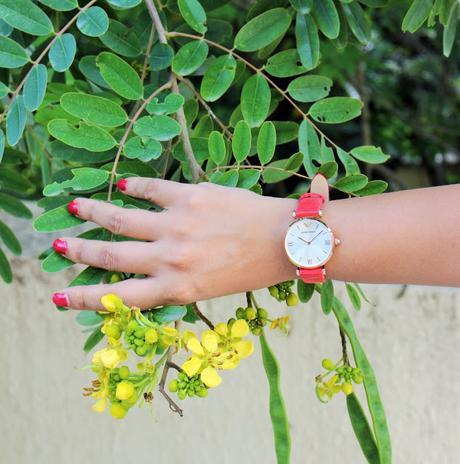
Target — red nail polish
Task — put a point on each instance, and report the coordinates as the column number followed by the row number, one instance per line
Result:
column 72, row 207
column 121, row 184
column 60, row 299
column 60, row 246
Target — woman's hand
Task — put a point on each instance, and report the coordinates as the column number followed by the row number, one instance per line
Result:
column 208, row 241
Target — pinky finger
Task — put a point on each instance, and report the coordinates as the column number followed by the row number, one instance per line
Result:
column 143, row 293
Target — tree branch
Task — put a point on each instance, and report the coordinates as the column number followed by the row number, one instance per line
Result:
column 202, row 316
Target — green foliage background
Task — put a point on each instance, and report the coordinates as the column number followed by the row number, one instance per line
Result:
column 251, row 94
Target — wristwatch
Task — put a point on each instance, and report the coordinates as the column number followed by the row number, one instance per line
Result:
column 309, row 242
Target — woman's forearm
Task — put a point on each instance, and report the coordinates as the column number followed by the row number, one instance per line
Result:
column 410, row 237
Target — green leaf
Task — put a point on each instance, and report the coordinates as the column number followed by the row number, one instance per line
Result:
column 362, row 429
column 218, row 78
column 147, row 150
column 369, row 154
column 194, row 14
column 357, row 22
column 9, row 239
column 327, row 18
column 309, row 88
column 228, row 178
column 277, row 408
column 308, row 146
column 35, row 87
column 373, row 187
column 16, row 121
column 450, row 29
column 217, row 147
column 56, row 219
column 416, row 15
column 302, row 6
column 89, row 318
column 161, row 56
column 60, row 5
column 85, row 136
column 95, row 337
column 13, row 206
column 191, row 317
column 354, row 296
column 374, row 402
column 12, row 55
column 248, row 178
column 190, row 57
column 286, row 131
column 62, row 53
column 255, row 100
column 305, row 291
column 263, row 30
column 62, row 151
column 2, row 145
column 335, row 110
column 96, row 110
column 328, row 169
column 170, row 104
column 83, row 179
column 351, row 183
column 25, row 16
column 9, row 180
column 55, row 262
column 307, row 39
column 121, row 39
column 349, row 163
column 285, row 64
column 124, row 4
column 241, row 141
column 168, row 314
column 4, row 90
column 282, row 169
column 327, row 296
column 266, row 142
column 160, row 127
column 87, row 66
column 5, row 269
column 93, row 22
column 89, row 276
column 120, row 76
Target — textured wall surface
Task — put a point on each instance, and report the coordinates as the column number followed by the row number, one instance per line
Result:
column 412, row 341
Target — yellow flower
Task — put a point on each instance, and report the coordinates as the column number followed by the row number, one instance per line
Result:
column 100, row 405
column 280, row 322
column 112, row 303
column 107, row 357
column 210, row 377
column 125, row 390
column 326, row 390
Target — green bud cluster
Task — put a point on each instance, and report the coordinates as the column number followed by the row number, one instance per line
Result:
column 256, row 318
column 188, row 386
column 283, row 292
column 142, row 340
column 123, row 394
column 350, row 374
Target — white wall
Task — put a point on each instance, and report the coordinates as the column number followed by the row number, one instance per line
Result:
column 413, row 343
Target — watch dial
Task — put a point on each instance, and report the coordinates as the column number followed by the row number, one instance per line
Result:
column 309, row 243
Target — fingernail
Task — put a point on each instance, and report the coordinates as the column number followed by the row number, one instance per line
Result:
column 60, row 246
column 60, row 299
column 72, row 207
column 320, row 174
column 121, row 184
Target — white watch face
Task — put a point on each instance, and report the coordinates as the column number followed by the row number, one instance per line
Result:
column 309, row 243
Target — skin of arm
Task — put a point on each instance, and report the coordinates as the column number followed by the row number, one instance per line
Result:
column 211, row 241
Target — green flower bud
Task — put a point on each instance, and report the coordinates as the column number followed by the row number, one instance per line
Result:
column 117, row 411
column 281, row 295
column 124, row 372
column 257, row 331
column 231, row 321
column 328, row 364
column 141, row 350
column 240, row 313
column 347, row 388
column 203, row 392
column 250, row 313
column 292, row 299
column 173, row 386
column 151, row 336
column 182, row 394
column 262, row 313
column 273, row 291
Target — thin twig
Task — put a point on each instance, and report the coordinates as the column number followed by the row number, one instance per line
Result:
column 343, row 340
column 202, row 316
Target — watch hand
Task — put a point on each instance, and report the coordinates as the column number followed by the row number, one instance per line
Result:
column 315, row 237
column 306, row 241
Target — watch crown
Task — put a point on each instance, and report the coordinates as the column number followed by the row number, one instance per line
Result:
column 337, row 241
column 294, row 215
column 320, row 213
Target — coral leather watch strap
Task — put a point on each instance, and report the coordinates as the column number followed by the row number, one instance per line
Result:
column 309, row 206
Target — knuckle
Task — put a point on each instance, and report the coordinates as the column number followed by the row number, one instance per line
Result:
column 182, row 294
column 196, row 199
column 181, row 258
column 79, row 300
column 150, row 190
column 115, row 223
column 107, row 258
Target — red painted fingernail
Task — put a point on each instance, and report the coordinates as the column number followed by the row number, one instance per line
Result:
column 121, row 184
column 60, row 246
column 72, row 207
column 60, row 299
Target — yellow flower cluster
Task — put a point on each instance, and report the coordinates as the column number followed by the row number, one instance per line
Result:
column 221, row 348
